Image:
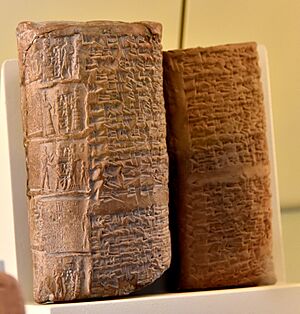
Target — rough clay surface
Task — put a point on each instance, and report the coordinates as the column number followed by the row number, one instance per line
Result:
column 97, row 164
column 219, row 167
column 11, row 300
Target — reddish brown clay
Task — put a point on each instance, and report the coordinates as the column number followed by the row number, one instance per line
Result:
column 219, row 166
column 94, row 134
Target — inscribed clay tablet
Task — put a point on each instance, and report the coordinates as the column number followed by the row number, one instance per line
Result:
column 11, row 300
column 95, row 140
column 219, row 166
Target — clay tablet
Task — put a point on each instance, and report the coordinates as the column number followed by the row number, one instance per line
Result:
column 219, row 166
column 95, row 140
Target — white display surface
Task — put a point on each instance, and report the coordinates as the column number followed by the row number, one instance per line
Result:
column 15, row 255
column 278, row 252
column 278, row 299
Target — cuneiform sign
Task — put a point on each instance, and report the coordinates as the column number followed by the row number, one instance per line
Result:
column 218, row 148
column 97, row 164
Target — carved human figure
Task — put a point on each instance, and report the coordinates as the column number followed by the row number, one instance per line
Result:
column 65, row 61
column 48, row 122
column 46, row 164
column 56, row 61
column 59, row 283
column 83, row 180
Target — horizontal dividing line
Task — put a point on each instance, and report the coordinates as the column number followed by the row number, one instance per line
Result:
column 230, row 174
column 61, row 254
column 65, row 196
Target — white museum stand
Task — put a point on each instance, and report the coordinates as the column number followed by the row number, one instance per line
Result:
column 15, row 257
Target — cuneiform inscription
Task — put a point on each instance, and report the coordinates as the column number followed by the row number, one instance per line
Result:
column 53, row 59
column 132, row 255
column 59, row 166
column 67, row 280
column 219, row 149
column 73, row 237
column 94, row 125
column 56, row 111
